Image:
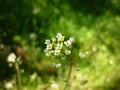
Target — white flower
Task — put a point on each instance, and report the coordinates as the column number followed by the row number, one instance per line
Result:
column 72, row 39
column 58, row 65
column 60, row 37
column 68, row 43
column 32, row 36
column 9, row 85
column 11, row 57
column 47, row 41
column 59, row 46
column 47, row 52
column 67, row 52
column 56, row 52
column 33, row 77
column 81, row 54
column 36, row 10
column 49, row 47
column 53, row 39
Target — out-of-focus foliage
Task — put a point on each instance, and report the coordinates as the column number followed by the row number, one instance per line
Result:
column 25, row 24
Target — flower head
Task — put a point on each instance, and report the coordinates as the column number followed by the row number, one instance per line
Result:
column 56, row 46
column 49, row 46
column 53, row 39
column 57, row 52
column 59, row 46
column 72, row 39
column 67, row 52
column 11, row 58
column 9, row 85
column 67, row 43
column 47, row 41
column 83, row 54
column 60, row 37
column 48, row 52
column 58, row 65
column 32, row 36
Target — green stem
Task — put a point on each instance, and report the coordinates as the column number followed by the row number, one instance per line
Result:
column 18, row 75
column 67, row 86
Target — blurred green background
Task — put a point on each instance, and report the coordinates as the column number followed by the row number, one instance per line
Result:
column 95, row 25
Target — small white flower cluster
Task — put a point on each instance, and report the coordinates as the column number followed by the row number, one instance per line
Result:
column 11, row 58
column 32, row 36
column 57, row 65
column 57, row 46
column 9, row 86
column 82, row 55
column 33, row 77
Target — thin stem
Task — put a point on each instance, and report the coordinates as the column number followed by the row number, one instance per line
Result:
column 67, row 86
column 18, row 75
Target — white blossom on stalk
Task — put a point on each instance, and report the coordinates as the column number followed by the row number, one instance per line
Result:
column 81, row 54
column 9, row 85
column 72, row 39
column 32, row 36
column 59, row 46
column 33, row 77
column 49, row 47
column 57, row 52
column 53, row 39
column 56, row 46
column 47, row 52
column 68, row 43
column 11, row 58
column 60, row 37
column 58, row 65
column 47, row 41
column 67, row 52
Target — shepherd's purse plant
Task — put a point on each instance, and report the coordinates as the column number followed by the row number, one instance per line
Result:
column 59, row 47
